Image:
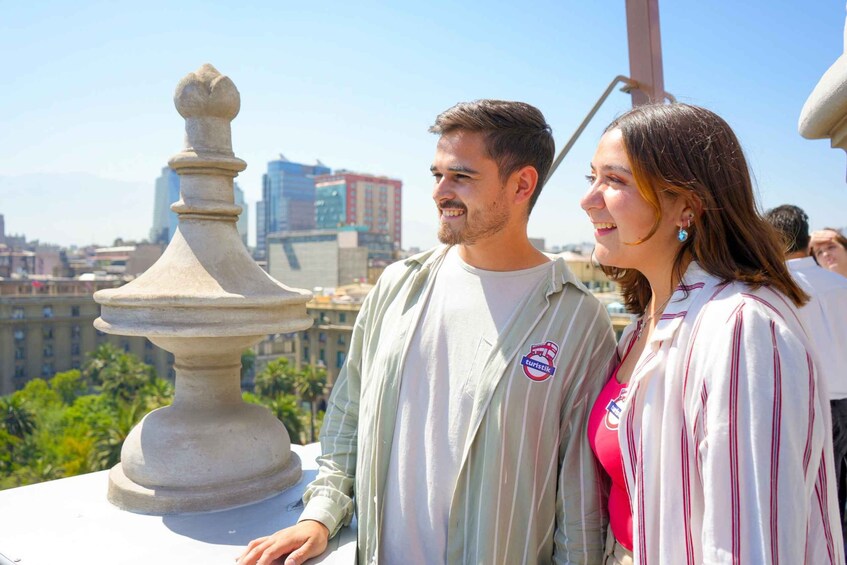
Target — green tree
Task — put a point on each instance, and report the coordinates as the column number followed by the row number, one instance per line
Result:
column 108, row 442
column 287, row 410
column 248, row 363
column 69, row 385
column 311, row 385
column 15, row 417
column 125, row 377
column 277, row 378
column 98, row 360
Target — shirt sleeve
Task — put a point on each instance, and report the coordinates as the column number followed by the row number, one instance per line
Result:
column 581, row 515
column 760, row 449
column 329, row 498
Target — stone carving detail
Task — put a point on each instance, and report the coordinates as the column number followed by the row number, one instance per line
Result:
column 205, row 301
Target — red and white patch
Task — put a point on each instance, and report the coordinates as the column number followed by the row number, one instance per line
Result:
column 538, row 364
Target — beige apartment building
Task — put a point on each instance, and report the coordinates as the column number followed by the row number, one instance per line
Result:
column 46, row 326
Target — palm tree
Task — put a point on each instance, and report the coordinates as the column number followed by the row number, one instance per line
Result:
column 287, row 411
column 15, row 417
column 277, row 378
column 311, row 384
column 105, row 355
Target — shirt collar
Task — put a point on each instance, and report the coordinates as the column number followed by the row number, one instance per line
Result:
column 560, row 273
column 694, row 281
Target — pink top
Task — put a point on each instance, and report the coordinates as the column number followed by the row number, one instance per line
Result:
column 603, row 437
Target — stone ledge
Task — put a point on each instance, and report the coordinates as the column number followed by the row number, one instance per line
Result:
column 69, row 521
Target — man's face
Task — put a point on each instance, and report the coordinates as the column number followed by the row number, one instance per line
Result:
column 471, row 199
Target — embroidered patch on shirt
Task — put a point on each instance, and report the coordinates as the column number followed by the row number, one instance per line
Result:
column 538, row 363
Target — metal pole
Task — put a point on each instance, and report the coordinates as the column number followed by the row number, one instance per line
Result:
column 629, row 85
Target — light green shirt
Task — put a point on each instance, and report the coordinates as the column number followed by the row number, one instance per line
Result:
column 527, row 489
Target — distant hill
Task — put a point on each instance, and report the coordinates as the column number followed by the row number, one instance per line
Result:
column 75, row 208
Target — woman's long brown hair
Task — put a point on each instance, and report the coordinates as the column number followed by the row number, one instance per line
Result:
column 682, row 151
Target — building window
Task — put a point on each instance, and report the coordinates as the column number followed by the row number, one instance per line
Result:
column 341, row 340
column 75, row 311
column 47, row 332
column 75, row 364
column 75, row 348
column 148, row 345
column 321, row 337
column 48, row 350
column 75, row 331
column 148, row 359
column 306, row 354
column 47, row 311
column 20, row 372
column 339, row 359
column 125, row 346
column 342, row 317
column 17, row 313
column 47, row 370
column 322, row 357
column 19, row 334
column 20, row 352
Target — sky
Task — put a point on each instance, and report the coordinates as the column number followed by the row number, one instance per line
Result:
column 87, row 118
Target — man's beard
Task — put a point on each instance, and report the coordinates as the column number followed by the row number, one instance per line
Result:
column 477, row 225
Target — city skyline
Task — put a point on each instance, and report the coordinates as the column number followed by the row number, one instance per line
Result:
column 357, row 87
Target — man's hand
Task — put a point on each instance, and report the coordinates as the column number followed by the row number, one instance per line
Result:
column 302, row 541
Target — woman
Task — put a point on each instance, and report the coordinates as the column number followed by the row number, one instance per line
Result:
column 721, row 429
column 829, row 249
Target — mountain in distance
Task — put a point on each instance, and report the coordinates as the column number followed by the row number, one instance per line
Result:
column 76, row 208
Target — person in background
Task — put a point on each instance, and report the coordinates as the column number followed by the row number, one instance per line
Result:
column 829, row 248
column 723, row 434
column 459, row 417
column 825, row 320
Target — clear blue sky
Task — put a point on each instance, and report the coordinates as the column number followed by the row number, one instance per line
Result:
column 87, row 88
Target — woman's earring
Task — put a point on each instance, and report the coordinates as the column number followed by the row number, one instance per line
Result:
column 683, row 233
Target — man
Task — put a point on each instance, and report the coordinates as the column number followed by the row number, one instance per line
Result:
column 459, row 417
column 825, row 319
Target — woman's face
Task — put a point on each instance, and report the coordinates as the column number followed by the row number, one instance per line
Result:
column 622, row 217
column 829, row 253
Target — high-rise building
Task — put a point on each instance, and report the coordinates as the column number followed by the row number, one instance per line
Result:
column 288, row 199
column 164, row 219
column 347, row 198
column 241, row 225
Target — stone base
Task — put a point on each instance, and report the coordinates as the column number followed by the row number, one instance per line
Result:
column 128, row 495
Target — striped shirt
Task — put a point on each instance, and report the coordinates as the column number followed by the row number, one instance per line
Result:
column 527, row 490
column 725, row 435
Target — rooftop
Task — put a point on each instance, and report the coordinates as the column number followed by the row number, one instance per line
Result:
column 69, row 521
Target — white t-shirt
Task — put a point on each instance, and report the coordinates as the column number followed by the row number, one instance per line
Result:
column 466, row 308
column 825, row 319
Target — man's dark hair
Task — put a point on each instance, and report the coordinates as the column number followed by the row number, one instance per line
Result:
column 516, row 135
column 792, row 223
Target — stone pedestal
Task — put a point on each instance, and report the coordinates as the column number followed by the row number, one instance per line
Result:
column 205, row 301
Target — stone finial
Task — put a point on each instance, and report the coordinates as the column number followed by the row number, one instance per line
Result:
column 824, row 114
column 205, row 300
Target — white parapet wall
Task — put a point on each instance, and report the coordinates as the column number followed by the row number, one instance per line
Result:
column 69, row 522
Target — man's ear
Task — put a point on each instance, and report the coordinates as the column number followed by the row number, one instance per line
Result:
column 525, row 182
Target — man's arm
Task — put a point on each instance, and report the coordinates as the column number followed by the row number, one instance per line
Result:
column 580, row 506
column 329, row 498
